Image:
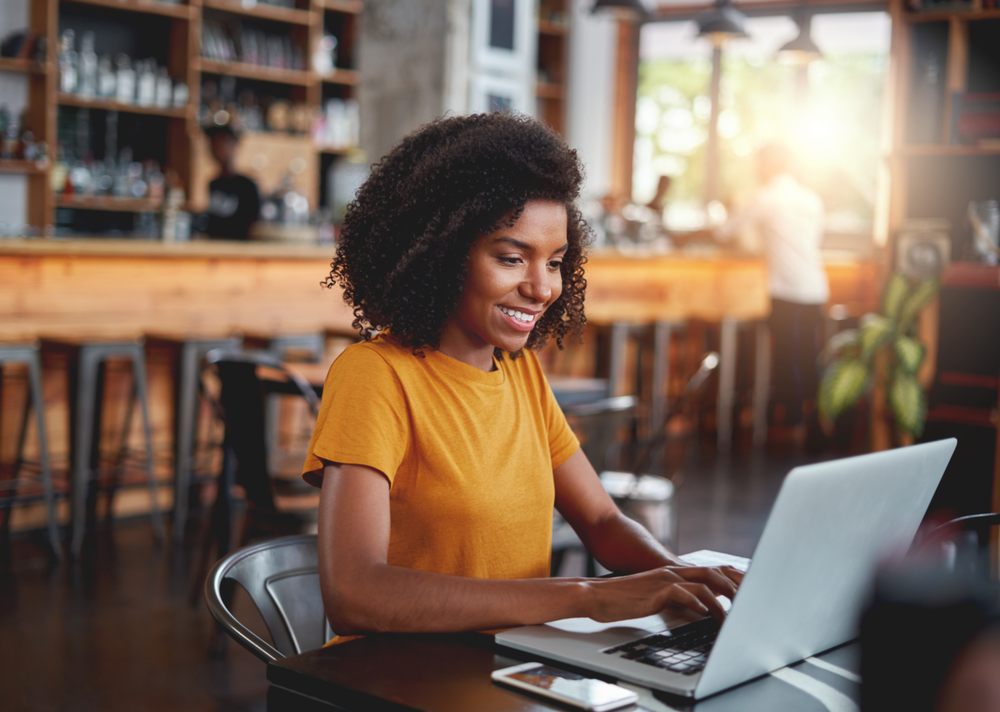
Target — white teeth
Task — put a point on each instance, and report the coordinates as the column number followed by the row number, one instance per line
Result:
column 526, row 318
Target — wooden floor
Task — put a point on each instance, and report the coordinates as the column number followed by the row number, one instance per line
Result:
column 116, row 630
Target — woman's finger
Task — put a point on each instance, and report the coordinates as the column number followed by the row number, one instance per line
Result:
column 712, row 577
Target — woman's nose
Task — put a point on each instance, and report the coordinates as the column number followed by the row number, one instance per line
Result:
column 536, row 286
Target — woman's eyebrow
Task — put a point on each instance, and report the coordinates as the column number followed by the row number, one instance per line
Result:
column 525, row 245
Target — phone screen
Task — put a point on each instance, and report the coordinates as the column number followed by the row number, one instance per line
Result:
column 592, row 693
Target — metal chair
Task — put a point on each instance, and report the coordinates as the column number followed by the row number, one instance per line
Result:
column 242, row 402
column 282, row 578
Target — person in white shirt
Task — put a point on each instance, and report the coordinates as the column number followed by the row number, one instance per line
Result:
column 788, row 219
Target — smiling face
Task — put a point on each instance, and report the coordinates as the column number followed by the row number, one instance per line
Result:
column 513, row 275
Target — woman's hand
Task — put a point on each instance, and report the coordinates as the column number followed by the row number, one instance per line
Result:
column 648, row 593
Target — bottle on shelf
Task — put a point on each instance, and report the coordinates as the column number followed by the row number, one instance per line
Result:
column 107, row 81
column 125, row 90
column 67, row 62
column 146, row 82
column 57, row 178
column 164, row 88
column 88, row 67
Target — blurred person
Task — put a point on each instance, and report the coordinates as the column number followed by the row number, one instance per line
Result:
column 439, row 449
column 788, row 218
column 233, row 199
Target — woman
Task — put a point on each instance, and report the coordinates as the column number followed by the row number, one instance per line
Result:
column 439, row 448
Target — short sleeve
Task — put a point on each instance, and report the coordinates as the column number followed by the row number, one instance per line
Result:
column 562, row 441
column 363, row 418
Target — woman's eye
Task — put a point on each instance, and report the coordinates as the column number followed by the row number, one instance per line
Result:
column 510, row 260
column 555, row 264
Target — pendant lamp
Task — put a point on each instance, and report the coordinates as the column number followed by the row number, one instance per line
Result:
column 631, row 10
column 722, row 23
column 802, row 50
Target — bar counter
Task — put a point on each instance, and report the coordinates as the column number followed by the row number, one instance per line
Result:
column 100, row 287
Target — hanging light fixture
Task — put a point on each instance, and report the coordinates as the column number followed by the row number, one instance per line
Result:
column 631, row 10
column 802, row 50
column 722, row 23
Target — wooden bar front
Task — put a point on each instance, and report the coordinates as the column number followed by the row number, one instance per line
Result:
column 127, row 288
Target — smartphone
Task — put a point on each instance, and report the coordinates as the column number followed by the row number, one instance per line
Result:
column 566, row 687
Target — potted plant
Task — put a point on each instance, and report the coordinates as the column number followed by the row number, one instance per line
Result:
column 885, row 347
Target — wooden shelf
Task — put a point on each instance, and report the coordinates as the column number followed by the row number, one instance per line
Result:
column 262, row 10
column 548, row 90
column 351, row 7
column 19, row 166
column 120, row 205
column 347, row 77
column 110, row 105
column 547, row 27
column 335, row 151
column 149, row 7
column 298, row 77
column 10, row 64
column 945, row 15
column 946, row 150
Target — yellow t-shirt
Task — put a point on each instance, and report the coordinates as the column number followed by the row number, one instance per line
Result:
column 468, row 454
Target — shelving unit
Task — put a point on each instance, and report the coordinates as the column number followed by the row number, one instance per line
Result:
column 19, row 166
column 553, row 52
column 186, row 150
column 942, row 58
column 179, row 112
column 148, row 7
column 30, row 66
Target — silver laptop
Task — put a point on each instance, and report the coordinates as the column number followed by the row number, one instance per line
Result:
column 811, row 572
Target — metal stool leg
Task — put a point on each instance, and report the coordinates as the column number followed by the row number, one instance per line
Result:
column 187, row 413
column 661, row 375
column 761, row 384
column 139, row 369
column 35, row 378
column 727, row 385
column 84, row 409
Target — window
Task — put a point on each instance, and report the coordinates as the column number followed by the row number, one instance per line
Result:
column 829, row 113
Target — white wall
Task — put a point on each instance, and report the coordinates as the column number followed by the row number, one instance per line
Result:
column 13, row 95
column 593, row 44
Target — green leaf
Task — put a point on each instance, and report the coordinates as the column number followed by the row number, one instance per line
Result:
column 843, row 344
column 910, row 353
column 895, row 293
column 843, row 384
column 908, row 403
column 923, row 295
column 875, row 331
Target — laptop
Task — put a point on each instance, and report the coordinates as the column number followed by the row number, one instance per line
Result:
column 810, row 576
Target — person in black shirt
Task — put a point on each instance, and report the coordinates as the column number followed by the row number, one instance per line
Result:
column 233, row 201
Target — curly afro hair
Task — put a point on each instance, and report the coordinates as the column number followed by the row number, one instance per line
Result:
column 405, row 241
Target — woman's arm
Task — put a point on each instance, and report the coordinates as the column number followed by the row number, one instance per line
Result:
column 363, row 593
column 617, row 542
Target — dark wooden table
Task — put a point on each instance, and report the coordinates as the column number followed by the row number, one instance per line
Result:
column 451, row 673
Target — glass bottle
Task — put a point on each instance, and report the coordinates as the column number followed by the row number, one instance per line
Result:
column 106, row 80
column 88, row 67
column 164, row 88
column 125, row 89
column 67, row 62
column 146, row 83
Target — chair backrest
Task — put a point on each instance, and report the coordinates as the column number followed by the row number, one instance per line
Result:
column 282, row 578
column 600, row 422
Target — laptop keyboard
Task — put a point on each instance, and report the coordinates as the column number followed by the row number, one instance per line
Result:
column 683, row 649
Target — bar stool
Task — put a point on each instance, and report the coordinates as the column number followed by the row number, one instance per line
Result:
column 188, row 353
column 728, row 354
column 28, row 354
column 86, row 362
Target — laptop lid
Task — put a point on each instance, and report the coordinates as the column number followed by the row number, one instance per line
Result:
column 812, row 568
column 809, row 577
